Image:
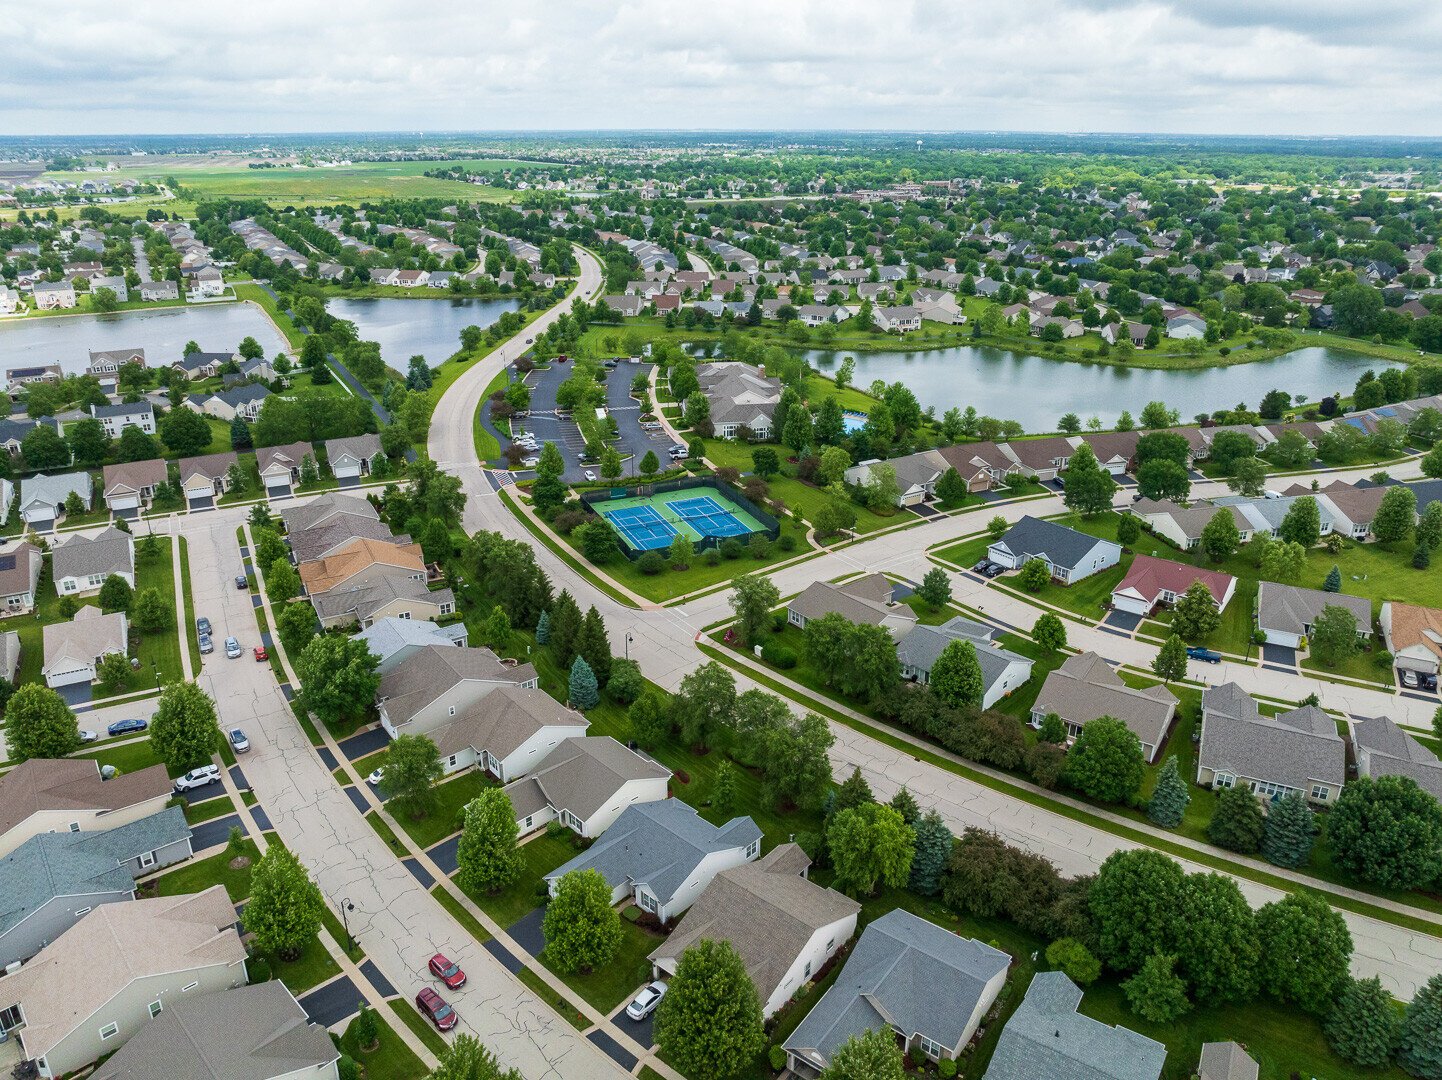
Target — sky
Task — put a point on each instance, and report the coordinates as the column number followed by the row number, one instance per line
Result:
column 1303, row 67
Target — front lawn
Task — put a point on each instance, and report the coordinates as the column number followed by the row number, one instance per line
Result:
column 612, row 983
column 392, row 1059
column 312, row 967
column 450, row 798
column 538, row 858
column 198, row 875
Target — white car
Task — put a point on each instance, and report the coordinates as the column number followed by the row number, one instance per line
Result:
column 590, row 475
column 197, row 778
column 644, row 1003
column 232, row 648
column 374, row 778
column 87, row 736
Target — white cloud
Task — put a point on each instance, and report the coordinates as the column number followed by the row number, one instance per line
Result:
column 1246, row 66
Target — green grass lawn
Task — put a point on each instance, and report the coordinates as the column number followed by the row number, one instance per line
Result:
column 391, row 1059
column 539, row 857
column 450, row 798
column 1361, row 665
column 192, row 641
column 209, row 810
column 460, row 914
column 796, row 495
column 127, row 757
column 612, row 983
column 420, row 1026
column 200, row 874
column 312, row 967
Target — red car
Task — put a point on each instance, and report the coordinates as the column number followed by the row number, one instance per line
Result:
column 449, row 973
column 433, row 1005
column 261, row 655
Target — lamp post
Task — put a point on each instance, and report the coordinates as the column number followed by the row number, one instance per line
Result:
column 347, row 906
column 628, row 644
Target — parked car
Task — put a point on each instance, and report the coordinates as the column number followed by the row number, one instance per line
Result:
column 238, row 742
column 431, row 1004
column 197, row 778
column 374, row 778
column 206, row 644
column 988, row 569
column 232, row 648
column 1410, row 680
column 644, row 1003
column 87, row 736
column 1429, row 682
column 448, row 972
column 125, row 727
column 261, row 656
column 590, row 475
column 202, row 626
column 241, row 583
column 1206, row 656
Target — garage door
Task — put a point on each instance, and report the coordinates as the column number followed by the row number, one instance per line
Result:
column 70, row 678
column 1130, row 604
column 346, row 472
column 125, row 502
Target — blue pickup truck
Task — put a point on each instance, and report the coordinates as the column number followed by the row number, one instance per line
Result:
column 1206, row 656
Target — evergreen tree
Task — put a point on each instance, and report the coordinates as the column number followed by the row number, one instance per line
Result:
column 1419, row 1046
column 854, row 792
column 904, row 803
column 595, row 646
column 543, row 629
column 1363, row 1027
column 1288, row 834
column 1334, row 580
column 1237, row 821
column 933, row 848
column 1170, row 797
column 565, row 629
column 581, row 688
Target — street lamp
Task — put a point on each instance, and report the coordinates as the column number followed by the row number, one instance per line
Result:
column 347, row 906
column 628, row 644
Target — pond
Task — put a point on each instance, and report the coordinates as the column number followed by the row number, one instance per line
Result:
column 1037, row 391
column 68, row 339
column 406, row 328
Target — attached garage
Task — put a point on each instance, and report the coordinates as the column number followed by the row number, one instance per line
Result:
column 120, row 503
column 1129, row 601
column 69, row 672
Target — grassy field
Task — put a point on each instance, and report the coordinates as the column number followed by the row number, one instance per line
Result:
column 201, row 874
column 392, row 1058
column 450, row 798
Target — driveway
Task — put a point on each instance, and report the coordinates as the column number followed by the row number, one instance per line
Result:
column 526, row 932
column 1279, row 655
column 1122, row 620
column 335, row 1001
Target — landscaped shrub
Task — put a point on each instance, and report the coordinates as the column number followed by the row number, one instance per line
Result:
column 651, row 563
column 787, row 542
column 777, row 1057
column 777, row 655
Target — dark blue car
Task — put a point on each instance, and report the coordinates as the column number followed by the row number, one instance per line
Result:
column 125, row 727
column 1206, row 656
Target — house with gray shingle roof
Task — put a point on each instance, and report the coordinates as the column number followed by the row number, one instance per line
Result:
column 1226, row 1061
column 351, row 458
column 440, row 682
column 73, row 649
column 80, row 564
column 244, row 401
column 130, row 485
column 1287, row 613
column 1069, row 554
column 395, row 639
column 20, row 567
column 1047, row 1037
column 1384, row 749
column 865, row 600
column 585, row 784
column 916, row 475
column 1002, row 670
column 1298, row 750
column 43, row 498
column 116, row 416
column 930, row 986
column 46, row 795
column 740, row 396
column 663, row 854
column 508, row 733
column 1086, row 688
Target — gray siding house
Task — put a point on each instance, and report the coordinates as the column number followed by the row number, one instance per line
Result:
column 1298, row 750
column 1069, row 554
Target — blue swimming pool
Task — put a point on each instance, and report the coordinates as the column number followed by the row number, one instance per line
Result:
column 853, row 421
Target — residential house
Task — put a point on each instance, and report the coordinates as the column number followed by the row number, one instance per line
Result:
column 1070, row 555
column 245, row 401
column 1226, row 1061
column 131, row 485
column 383, row 592
column 339, row 531
column 865, row 600
column 1085, row 688
column 80, row 564
column 105, row 364
column 325, row 508
column 207, row 281
column 18, row 378
column 138, row 958
column 1287, row 613
column 9, row 299
column 1183, row 525
column 815, row 315
column 204, row 365
column 279, row 466
column 350, row 459
column 83, row 271
column 439, row 682
column 43, row 498
column 20, row 566
column 1266, row 514
column 206, row 478
column 586, row 784
column 983, row 465
column 1002, row 670
column 257, row 1032
column 54, row 295
column 1298, row 750
column 662, row 854
column 1351, row 508
column 784, row 927
column 626, row 306
column 393, row 640
column 53, row 795
column 53, row 879
column 1041, row 459
column 159, row 290
column 115, row 283
column 903, row 319
column 938, row 306
column 925, row 983
column 73, row 649
column 359, row 561
column 1384, row 749
column 508, row 733
column 1048, row 1037
column 1151, row 583
column 410, row 279
column 1186, row 326
column 1114, row 450
column 739, row 396
column 1413, row 636
column 1126, row 330
column 916, row 475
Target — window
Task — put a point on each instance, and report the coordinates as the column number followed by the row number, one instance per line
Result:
column 405, row 615
column 82, row 911
column 1269, row 790
column 69, row 584
column 452, row 710
column 147, row 860
column 109, row 1031
column 1320, row 792
column 807, row 973
column 931, row 1049
column 75, row 826
column 1223, row 780
column 753, row 848
column 189, row 987
column 155, row 1009
column 451, row 761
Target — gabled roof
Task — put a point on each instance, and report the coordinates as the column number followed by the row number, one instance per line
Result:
column 893, row 979
column 1148, row 578
column 20, row 569
column 922, row 645
column 1062, row 546
column 1384, row 749
column 322, row 575
column 288, row 456
column 336, row 532
column 422, row 678
column 322, row 508
column 1085, row 687
column 357, row 446
column 656, row 844
column 374, row 590
column 857, row 601
column 388, row 636
column 89, row 634
column 73, row 784
column 1293, row 748
column 54, row 490
column 133, row 476
column 108, row 552
column 1413, row 629
column 1289, row 608
column 1226, row 1061
column 504, row 719
column 207, row 466
column 1038, row 454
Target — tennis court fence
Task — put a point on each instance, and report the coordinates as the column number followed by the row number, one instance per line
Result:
column 771, row 528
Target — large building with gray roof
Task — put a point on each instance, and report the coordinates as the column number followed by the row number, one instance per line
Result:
column 392, row 640
column 1070, row 555
column 1085, row 688
column 1294, row 751
column 1384, row 749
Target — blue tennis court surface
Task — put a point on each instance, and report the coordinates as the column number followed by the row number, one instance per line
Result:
column 708, row 517
column 642, row 527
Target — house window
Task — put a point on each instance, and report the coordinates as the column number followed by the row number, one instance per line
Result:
column 451, row 761
column 1223, row 780
column 109, row 1031
column 931, row 1049
column 1269, row 790
column 830, row 944
column 147, row 860
column 155, row 1009
column 648, row 902
column 69, row 585
column 447, row 609
column 807, row 973
column 82, row 911
column 96, row 580
column 189, row 987
column 451, row 711
column 527, row 823
column 753, row 848
column 1320, row 792
column 405, row 615
column 75, row 826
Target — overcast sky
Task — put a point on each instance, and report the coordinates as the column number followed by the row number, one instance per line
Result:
column 1225, row 66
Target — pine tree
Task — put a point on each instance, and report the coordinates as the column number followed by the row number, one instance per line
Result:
column 1419, row 1048
column 1288, row 834
column 582, row 689
column 565, row 629
column 595, row 646
column 1334, row 580
column 1363, row 1026
column 855, row 791
column 1237, row 821
column 1170, row 798
column 933, row 849
column 723, row 790
column 543, row 629
column 904, row 803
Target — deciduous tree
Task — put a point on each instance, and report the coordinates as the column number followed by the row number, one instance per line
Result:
column 1106, row 761
column 1170, row 663
column 956, row 676
column 1334, row 635
column 1195, row 614
column 38, row 724
column 1049, row 632
column 185, row 729
column 1306, row 950
column 872, row 1055
column 1387, row 831
column 338, row 677
column 1220, row 536
column 704, row 702
column 285, row 908
column 870, row 845
column 709, row 1023
column 487, row 857
column 412, row 769
column 1135, row 900
column 752, row 598
column 935, row 589
column 581, row 928
column 1156, row 993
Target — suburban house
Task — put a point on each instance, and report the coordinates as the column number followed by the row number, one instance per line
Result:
column 256, row 1032
column 206, row 478
column 357, row 562
column 1413, row 636
column 393, row 639
column 54, row 295
column 337, row 533
column 625, row 306
column 350, row 459
column 1286, row 613
column 73, row 649
column 138, row 958
column 43, row 498
column 20, row 567
column 114, row 282
column 1002, row 671
column 662, row 855
column 50, row 795
column 585, row 784
column 1384, row 749
column 279, row 466
column 739, row 396
column 10, row 650
column 1151, row 583
column 18, row 378
column 324, row 509
column 1070, row 555
column 159, row 290
column 244, row 401
column 902, row 319
column 930, row 986
column 865, row 600
column 207, row 281
column 130, row 486
column 204, row 365
column 1041, row 459
column 1086, row 688
column 508, row 733
column 1226, row 1061
column 1047, row 1036
column 80, row 564
column 1183, row 525
column 784, row 927
column 1351, row 508
column 1298, row 750
column 1114, row 450
column 938, row 305
column 105, row 364
column 1265, row 514
column 387, row 592
column 54, row 878
column 982, row 465
column 916, row 475
column 427, row 690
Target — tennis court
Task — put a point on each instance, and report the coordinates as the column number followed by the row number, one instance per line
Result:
column 641, row 527
column 708, row 517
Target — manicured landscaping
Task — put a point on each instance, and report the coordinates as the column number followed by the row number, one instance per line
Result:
column 209, row 810
column 612, row 983
column 539, row 856
column 450, row 798
column 192, row 640
column 200, row 874
column 127, row 757
column 392, row 1058
column 460, row 914
column 312, row 967
column 420, row 1026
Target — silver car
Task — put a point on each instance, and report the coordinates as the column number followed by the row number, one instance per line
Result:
column 232, row 648
column 644, row 1003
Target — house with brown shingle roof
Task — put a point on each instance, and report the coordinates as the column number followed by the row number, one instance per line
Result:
column 1085, row 688
column 131, row 485
column 430, row 688
column 587, row 784
column 356, row 560
column 44, row 795
column 508, row 733
column 279, row 466
column 1413, row 635
column 20, row 567
column 1150, row 583
column 206, row 477
column 865, row 600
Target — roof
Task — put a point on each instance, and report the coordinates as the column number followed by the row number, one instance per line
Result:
column 322, row 575
column 1060, row 545
column 1040, row 454
column 581, row 775
column 108, row 552
column 73, row 784
column 114, row 945
column 288, row 456
column 658, row 845
column 424, row 676
column 357, row 446
column 922, row 645
column 1413, row 628
column 1046, row 1036
column 1149, row 577
column 1191, row 520
column 388, row 636
column 67, row 863
column 1357, row 504
column 1384, row 749
column 1226, row 1061
column 1085, row 687
column 250, row 1033
column 54, row 490
column 321, row 509
column 766, row 909
column 1294, row 748
column 122, row 408
column 208, row 466
column 380, row 586
column 892, row 980
column 504, row 719
column 89, row 634
column 134, row 475
column 857, row 601
column 20, row 568
column 336, row 532
column 1290, row 609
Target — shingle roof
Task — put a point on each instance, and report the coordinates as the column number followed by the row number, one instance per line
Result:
column 1085, row 687
column 356, row 557
column 73, row 784
column 1149, row 577
column 89, row 634
column 1384, row 749
column 582, row 774
column 658, row 845
column 821, row 598
column 357, row 446
column 134, row 475
column 922, row 645
column 1293, row 748
column 210, row 466
column 892, row 979
column 20, row 569
column 253, row 1032
column 504, row 719
column 108, row 552
column 336, row 532
column 435, row 669
column 380, row 586
column 54, row 490
column 388, row 636
column 1290, row 609
column 288, row 456
column 321, row 509
column 1047, row 1037
column 1225, row 1061
column 1062, row 546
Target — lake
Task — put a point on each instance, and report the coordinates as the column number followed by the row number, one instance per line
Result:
column 162, row 333
column 406, row 328
column 1037, row 391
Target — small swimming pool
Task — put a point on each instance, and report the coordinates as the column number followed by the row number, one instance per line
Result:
column 853, row 421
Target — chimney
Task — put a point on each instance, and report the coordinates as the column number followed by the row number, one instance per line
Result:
column 761, row 370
